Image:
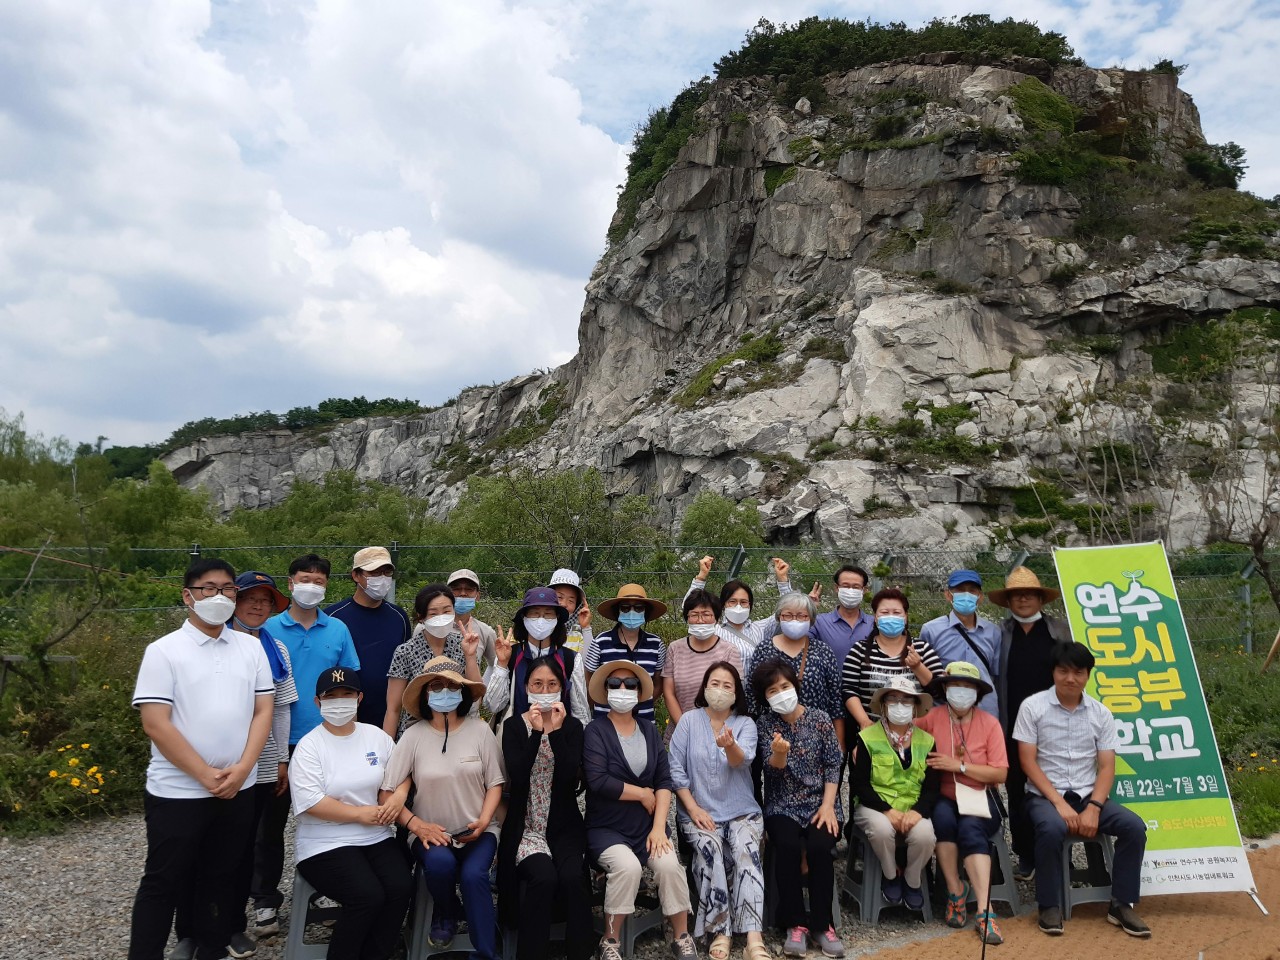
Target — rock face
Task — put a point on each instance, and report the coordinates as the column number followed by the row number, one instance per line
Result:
column 901, row 335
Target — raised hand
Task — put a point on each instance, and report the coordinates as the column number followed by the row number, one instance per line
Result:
column 553, row 719
column 815, row 592
column 704, row 567
column 470, row 643
column 780, row 747
column 724, row 739
column 781, row 569
column 584, row 615
column 503, row 647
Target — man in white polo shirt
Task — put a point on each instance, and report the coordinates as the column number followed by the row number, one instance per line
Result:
column 204, row 693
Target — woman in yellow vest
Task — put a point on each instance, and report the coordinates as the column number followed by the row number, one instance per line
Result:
column 896, row 788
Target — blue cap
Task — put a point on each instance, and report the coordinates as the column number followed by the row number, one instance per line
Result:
column 964, row 576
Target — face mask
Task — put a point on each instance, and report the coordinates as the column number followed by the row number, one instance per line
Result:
column 1031, row 619
column 702, row 631
column 737, row 615
column 632, row 619
column 784, row 701
column 964, row 603
column 891, row 626
column 443, row 701
column 961, row 698
column 623, row 701
column 718, row 698
column 307, row 595
column 339, row 712
column 538, row 628
column 439, row 626
column 464, row 605
column 900, row 714
column 794, row 629
column 215, row 610
column 379, row 588
column 850, row 597
column 544, row 700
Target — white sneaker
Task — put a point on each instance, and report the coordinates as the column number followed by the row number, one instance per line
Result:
column 266, row 920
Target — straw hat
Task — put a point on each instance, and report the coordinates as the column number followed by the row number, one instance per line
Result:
column 1020, row 578
column 632, row 591
column 900, row 684
column 600, row 694
column 444, row 667
column 962, row 670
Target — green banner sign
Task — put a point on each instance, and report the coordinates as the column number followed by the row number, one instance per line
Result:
column 1122, row 604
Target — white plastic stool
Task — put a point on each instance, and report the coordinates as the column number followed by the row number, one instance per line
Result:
column 302, row 912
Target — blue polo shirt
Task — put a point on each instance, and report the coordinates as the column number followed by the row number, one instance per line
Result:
column 325, row 645
column 377, row 632
column 943, row 634
column 832, row 630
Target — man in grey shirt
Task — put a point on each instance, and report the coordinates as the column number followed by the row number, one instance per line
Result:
column 1067, row 743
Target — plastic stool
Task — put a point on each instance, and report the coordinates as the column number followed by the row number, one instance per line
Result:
column 1006, row 890
column 1095, row 879
column 420, row 926
column 301, row 913
column 863, row 883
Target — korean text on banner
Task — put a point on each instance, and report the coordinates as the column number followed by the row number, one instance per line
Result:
column 1122, row 604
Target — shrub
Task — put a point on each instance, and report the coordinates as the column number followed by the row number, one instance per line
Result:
column 1042, row 109
column 774, row 177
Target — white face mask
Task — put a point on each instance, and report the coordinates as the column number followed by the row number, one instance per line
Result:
column 900, row 714
column 702, row 631
column 737, row 615
column 215, row 610
column 718, row 698
column 794, row 629
column 544, row 700
column 784, row 701
column 340, row 711
column 379, row 588
column 539, row 628
column 1031, row 619
column 623, row 701
column 961, row 698
column 307, row 595
column 439, row 626
column 850, row 597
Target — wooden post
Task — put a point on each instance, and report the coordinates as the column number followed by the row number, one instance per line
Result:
column 1275, row 648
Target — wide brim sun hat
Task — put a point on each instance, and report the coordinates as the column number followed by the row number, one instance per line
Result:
column 445, row 667
column 1021, row 578
column 904, row 685
column 599, row 692
column 632, row 592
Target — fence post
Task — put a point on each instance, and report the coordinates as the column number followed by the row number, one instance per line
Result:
column 1246, row 600
column 735, row 565
column 195, row 551
column 395, row 553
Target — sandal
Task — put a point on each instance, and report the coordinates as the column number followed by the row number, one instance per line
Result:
column 720, row 947
column 985, row 925
column 958, row 907
column 757, row 951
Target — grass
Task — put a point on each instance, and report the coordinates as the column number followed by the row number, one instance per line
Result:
column 761, row 351
column 1042, row 110
column 774, row 177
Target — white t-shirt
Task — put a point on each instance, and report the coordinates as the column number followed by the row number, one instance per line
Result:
column 210, row 684
column 346, row 768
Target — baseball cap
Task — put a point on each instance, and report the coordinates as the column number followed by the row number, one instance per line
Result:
column 336, row 677
column 964, row 576
column 371, row 558
column 464, row 574
column 251, row 579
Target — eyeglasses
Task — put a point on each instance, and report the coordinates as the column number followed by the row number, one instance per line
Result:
column 793, row 617
column 899, row 700
column 633, row 608
column 209, row 590
column 622, row 683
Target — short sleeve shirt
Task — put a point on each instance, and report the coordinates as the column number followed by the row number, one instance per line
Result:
column 687, row 667
column 450, row 778
column 1067, row 741
column 650, row 653
column 312, row 650
column 349, row 769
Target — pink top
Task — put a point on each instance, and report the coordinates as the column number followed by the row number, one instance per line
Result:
column 980, row 741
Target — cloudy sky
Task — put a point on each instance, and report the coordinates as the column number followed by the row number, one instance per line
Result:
column 210, row 209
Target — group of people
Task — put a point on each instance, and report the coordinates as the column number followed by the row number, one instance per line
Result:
column 432, row 742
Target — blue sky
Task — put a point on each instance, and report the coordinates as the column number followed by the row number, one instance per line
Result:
column 209, row 209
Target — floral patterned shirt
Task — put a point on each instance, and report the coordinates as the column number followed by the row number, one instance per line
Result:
column 813, row 761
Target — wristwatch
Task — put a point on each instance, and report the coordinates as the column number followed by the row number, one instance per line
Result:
column 1093, row 803
column 962, row 766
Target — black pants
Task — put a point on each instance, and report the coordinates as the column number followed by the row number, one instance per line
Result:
column 545, row 885
column 789, row 840
column 268, row 851
column 373, row 884
column 1024, row 835
column 191, row 858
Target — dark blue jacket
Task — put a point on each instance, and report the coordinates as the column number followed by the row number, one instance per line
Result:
column 611, row 820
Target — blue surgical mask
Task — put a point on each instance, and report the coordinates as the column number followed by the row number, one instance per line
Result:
column 464, row 605
column 632, row 619
column 964, row 603
column 891, row 626
column 444, row 701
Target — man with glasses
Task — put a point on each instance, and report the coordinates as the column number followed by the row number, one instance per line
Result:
column 962, row 634
column 204, row 693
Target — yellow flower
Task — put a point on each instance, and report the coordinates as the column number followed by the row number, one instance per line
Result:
column 75, row 781
column 73, row 762
column 84, row 746
column 94, row 790
column 98, row 777
column 53, row 773
column 106, row 686
column 1254, row 754
column 93, row 769
column 17, row 808
column 67, row 747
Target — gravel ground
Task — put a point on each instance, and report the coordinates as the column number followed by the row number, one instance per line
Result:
column 71, row 895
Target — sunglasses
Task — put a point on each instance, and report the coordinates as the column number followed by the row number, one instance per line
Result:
column 435, row 686
column 633, row 608
column 622, row 683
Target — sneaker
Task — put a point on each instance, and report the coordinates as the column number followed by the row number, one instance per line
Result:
column 683, row 948
column 609, row 950
column 1051, row 921
column 958, row 908
column 914, row 898
column 891, row 890
column 1124, row 917
column 1025, row 870
column 184, row 949
column 797, row 942
column 266, row 920
column 442, row 931
column 987, row 928
column 830, row 943
column 240, row 946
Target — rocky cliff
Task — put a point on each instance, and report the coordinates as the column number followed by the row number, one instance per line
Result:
column 864, row 316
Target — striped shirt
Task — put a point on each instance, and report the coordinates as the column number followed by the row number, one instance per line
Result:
column 686, row 666
column 650, row 653
column 1067, row 741
column 277, row 749
column 700, row 766
column 867, row 668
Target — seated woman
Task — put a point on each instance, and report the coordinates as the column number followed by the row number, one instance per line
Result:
column 689, row 657
column 541, row 853
column 801, row 815
column 897, row 788
column 719, row 816
column 969, row 752
column 628, row 797
column 452, row 759
column 346, row 844
column 538, row 631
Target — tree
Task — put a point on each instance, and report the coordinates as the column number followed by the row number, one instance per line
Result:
column 715, row 520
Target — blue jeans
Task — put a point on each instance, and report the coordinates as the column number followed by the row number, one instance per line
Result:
column 973, row 835
column 1114, row 820
column 447, row 868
